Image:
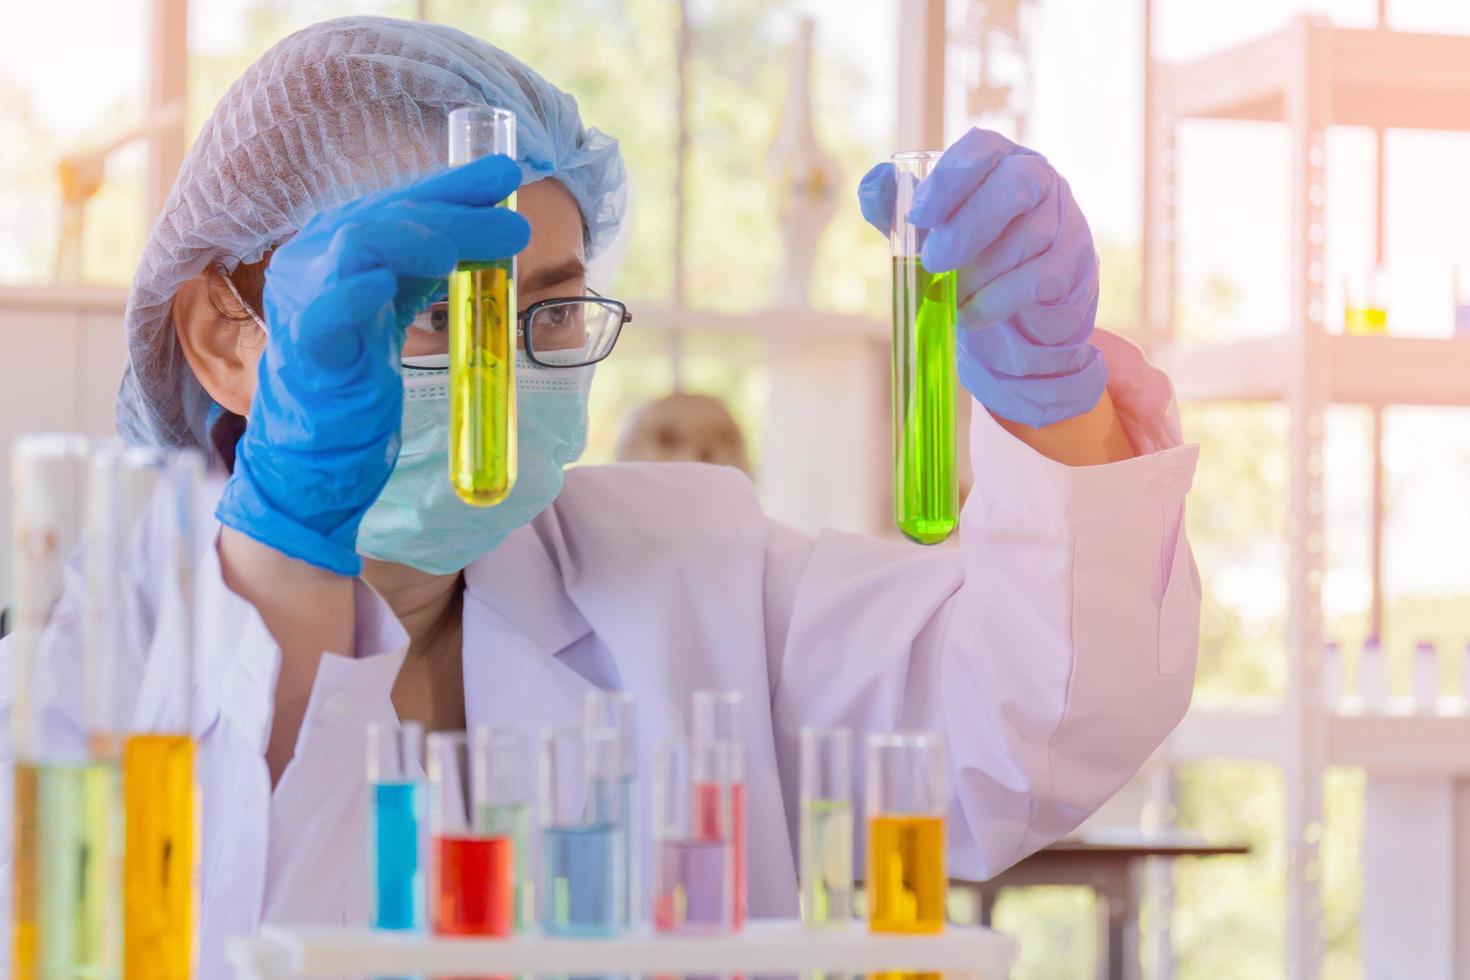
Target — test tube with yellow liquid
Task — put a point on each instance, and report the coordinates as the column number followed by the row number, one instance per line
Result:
column 160, row 803
column 482, row 336
column 63, row 886
column 926, row 500
column 907, row 793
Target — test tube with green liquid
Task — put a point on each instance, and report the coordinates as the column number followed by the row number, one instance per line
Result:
column 925, row 481
column 482, row 336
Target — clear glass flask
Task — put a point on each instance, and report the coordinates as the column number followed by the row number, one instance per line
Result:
column 471, row 872
column 907, row 794
column 501, row 760
column 617, row 711
column 583, row 833
column 694, row 838
column 926, row 498
column 826, row 827
column 482, row 336
column 396, row 824
column 717, row 718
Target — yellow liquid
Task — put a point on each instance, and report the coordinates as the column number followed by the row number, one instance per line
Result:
column 906, row 882
column 65, row 886
column 482, row 386
column 161, row 808
column 1365, row 321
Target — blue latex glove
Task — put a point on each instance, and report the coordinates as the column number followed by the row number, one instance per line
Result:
column 322, row 434
column 1028, row 280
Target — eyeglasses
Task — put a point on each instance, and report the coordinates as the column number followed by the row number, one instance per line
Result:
column 567, row 332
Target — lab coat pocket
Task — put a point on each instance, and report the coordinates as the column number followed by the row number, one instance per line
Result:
column 1179, row 609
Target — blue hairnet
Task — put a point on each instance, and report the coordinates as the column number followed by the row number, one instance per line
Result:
column 328, row 114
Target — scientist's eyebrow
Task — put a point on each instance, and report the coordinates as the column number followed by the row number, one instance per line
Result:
column 567, row 271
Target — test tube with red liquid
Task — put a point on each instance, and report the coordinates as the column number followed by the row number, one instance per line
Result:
column 716, row 721
column 694, row 838
column 472, row 872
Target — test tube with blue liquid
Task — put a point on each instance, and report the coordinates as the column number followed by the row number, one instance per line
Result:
column 584, row 833
column 615, row 710
column 396, row 824
column 501, row 762
column 826, row 827
column 694, row 838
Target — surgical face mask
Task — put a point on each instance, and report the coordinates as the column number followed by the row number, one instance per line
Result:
column 419, row 521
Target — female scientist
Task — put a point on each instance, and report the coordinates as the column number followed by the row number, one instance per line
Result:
column 270, row 321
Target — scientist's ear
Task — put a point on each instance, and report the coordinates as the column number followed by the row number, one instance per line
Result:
column 220, row 340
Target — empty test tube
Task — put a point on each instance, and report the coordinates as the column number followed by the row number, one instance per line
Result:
column 1372, row 678
column 1331, row 677
column 1426, row 678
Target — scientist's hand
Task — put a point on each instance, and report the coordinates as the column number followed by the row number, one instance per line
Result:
column 1028, row 278
column 322, row 434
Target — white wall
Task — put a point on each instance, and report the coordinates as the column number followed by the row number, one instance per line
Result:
column 61, row 357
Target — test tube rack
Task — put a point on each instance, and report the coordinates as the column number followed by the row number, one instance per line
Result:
column 763, row 946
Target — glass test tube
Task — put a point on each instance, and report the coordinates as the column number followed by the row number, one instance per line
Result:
column 122, row 481
column 63, row 802
column 395, row 775
column 1425, row 671
column 501, row 758
column 583, row 833
column 1461, row 277
column 160, row 795
column 694, row 846
column 907, row 792
column 1372, row 678
column 925, row 480
column 472, row 886
column 1365, row 302
column 717, row 719
column 826, row 826
column 616, row 710
column 482, row 336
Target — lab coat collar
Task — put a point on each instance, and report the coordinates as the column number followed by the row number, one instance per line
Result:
column 522, row 579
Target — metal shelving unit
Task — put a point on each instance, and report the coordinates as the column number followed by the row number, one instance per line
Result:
column 1310, row 76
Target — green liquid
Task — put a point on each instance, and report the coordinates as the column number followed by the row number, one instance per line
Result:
column 74, row 892
column 513, row 820
column 926, row 500
column 826, row 862
column 482, row 386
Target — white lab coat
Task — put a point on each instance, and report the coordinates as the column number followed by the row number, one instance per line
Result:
column 1054, row 648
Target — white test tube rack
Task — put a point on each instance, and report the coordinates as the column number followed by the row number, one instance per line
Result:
column 763, row 946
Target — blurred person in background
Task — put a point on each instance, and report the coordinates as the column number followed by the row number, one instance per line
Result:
column 272, row 321
column 683, row 427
